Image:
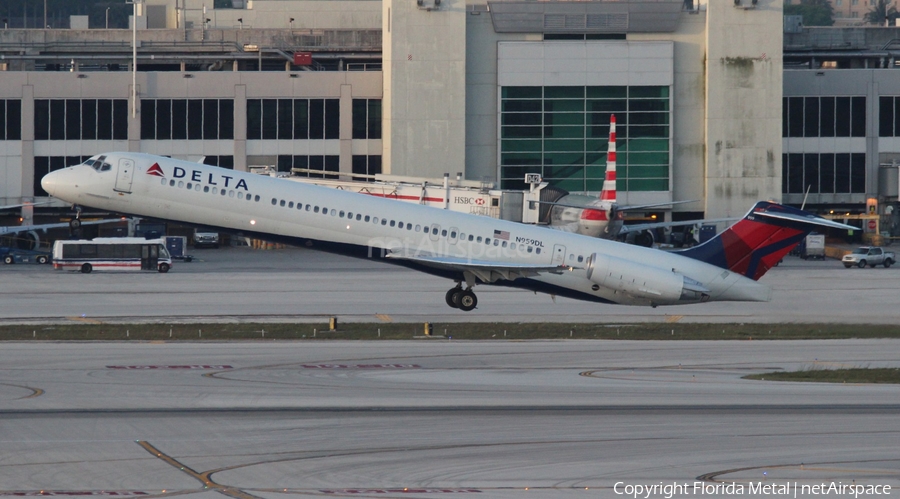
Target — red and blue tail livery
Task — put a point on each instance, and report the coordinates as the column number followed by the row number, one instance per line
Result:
column 760, row 240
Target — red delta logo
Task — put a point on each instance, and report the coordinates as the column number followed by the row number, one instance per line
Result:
column 156, row 171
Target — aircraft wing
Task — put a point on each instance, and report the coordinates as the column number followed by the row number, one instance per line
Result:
column 486, row 271
column 6, row 207
column 15, row 229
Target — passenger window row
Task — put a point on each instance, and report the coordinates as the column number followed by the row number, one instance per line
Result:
column 434, row 230
column 191, row 186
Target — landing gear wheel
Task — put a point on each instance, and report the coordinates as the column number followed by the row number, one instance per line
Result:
column 452, row 296
column 467, row 300
column 86, row 268
column 861, row 264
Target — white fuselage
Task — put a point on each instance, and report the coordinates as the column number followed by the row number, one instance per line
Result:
column 344, row 222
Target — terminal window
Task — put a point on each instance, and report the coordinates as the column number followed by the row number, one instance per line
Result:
column 80, row 119
column 366, row 118
column 563, row 133
column 824, row 117
column 824, row 173
column 289, row 119
column 10, row 119
column 310, row 166
column 889, row 116
column 187, row 119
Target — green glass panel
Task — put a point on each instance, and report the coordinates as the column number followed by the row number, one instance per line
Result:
column 621, row 184
column 648, row 118
column 520, row 118
column 568, row 106
column 642, row 145
column 521, row 106
column 571, row 185
column 648, row 185
column 600, row 132
column 520, row 158
column 595, row 159
column 594, row 185
column 521, row 92
column 607, row 92
column 647, row 92
column 563, row 158
column 597, row 145
column 648, row 105
column 564, row 92
column 518, row 172
column 649, row 131
column 607, row 106
column 563, row 145
column 564, row 132
column 563, row 118
column 570, row 171
column 596, row 171
column 520, row 132
column 520, row 145
column 654, row 171
column 648, row 158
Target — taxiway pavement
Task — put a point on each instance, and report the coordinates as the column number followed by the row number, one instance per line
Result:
column 299, row 285
column 437, row 418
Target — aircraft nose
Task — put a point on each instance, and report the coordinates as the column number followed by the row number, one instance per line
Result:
column 50, row 182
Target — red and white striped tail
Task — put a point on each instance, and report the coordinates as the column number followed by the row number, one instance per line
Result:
column 609, row 184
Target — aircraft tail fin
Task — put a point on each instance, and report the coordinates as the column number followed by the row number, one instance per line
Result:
column 760, row 240
column 608, row 193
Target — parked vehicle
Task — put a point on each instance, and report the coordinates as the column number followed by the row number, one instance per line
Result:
column 16, row 255
column 202, row 238
column 869, row 255
column 112, row 253
column 813, row 247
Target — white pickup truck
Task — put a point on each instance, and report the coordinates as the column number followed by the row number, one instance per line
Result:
column 868, row 255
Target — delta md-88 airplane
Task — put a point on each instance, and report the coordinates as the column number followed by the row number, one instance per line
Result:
column 468, row 249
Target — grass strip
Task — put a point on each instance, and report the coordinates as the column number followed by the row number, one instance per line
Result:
column 464, row 331
column 855, row 375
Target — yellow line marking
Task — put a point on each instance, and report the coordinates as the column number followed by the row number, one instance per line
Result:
column 674, row 318
column 84, row 319
column 203, row 478
column 35, row 392
column 384, row 317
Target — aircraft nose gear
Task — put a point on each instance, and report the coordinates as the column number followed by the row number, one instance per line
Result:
column 464, row 300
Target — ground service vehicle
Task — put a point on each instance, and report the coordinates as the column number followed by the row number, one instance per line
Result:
column 15, row 255
column 813, row 247
column 112, row 253
column 869, row 255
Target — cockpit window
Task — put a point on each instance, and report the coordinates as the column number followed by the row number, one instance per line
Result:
column 98, row 164
column 105, row 167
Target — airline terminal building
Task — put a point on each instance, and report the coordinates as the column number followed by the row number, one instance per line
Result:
column 491, row 89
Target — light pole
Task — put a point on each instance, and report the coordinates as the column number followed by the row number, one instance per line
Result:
column 107, row 18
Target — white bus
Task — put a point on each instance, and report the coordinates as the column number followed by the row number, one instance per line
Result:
column 112, row 253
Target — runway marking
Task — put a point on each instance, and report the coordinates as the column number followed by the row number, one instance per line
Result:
column 384, row 317
column 103, row 493
column 35, row 392
column 714, row 476
column 361, row 366
column 674, row 318
column 84, row 319
column 193, row 366
column 203, row 478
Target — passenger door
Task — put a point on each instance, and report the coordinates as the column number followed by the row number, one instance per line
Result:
column 149, row 256
column 124, row 175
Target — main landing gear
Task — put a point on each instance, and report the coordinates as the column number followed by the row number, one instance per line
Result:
column 463, row 299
